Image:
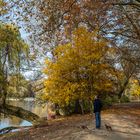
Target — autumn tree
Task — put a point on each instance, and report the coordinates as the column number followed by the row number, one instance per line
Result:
column 79, row 70
column 13, row 51
column 129, row 46
column 134, row 89
column 55, row 18
column 51, row 22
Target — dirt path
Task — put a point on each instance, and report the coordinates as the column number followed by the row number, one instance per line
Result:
column 125, row 122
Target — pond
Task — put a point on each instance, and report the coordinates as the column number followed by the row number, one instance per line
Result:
column 28, row 104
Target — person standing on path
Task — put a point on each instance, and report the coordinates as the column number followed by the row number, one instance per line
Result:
column 97, row 111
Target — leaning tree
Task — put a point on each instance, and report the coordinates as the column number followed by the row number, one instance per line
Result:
column 13, row 50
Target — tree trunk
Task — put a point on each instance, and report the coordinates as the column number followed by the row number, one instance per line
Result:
column 13, row 110
column 3, row 94
column 19, row 112
column 81, row 106
column 77, row 108
column 91, row 106
column 123, row 89
column 10, row 128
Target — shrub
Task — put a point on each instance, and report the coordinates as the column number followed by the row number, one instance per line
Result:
column 124, row 99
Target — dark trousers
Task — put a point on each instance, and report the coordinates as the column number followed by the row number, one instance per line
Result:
column 98, row 119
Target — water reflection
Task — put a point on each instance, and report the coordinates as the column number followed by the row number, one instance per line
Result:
column 6, row 121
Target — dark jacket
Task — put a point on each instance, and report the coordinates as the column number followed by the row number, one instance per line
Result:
column 97, row 105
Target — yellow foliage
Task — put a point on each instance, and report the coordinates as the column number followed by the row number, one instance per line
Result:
column 135, row 88
column 78, row 70
column 3, row 9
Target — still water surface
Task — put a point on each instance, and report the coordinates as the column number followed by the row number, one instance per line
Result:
column 40, row 110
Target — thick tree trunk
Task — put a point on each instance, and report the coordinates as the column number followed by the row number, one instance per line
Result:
column 123, row 89
column 19, row 112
